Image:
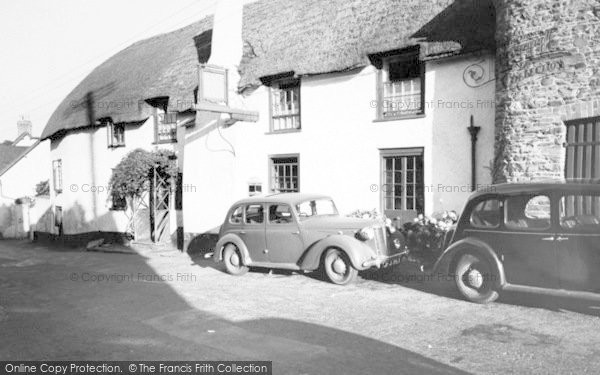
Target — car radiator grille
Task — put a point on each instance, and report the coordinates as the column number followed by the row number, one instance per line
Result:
column 379, row 241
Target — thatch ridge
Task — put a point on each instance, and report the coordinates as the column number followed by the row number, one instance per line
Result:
column 315, row 36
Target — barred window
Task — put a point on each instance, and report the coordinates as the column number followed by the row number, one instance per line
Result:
column 166, row 127
column 285, row 106
column 403, row 187
column 285, row 175
column 583, row 150
column 400, row 89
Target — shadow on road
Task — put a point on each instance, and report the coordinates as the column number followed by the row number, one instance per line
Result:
column 110, row 306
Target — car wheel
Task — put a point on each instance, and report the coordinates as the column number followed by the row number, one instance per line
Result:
column 233, row 260
column 474, row 279
column 338, row 268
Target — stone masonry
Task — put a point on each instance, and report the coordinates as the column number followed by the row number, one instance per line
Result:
column 548, row 71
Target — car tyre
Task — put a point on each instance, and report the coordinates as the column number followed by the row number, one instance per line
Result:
column 474, row 277
column 233, row 260
column 338, row 268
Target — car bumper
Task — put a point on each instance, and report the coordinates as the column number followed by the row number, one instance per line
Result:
column 383, row 261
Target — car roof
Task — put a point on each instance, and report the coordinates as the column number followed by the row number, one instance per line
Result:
column 535, row 186
column 289, row 198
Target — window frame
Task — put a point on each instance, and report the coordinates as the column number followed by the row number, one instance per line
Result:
column 382, row 63
column 112, row 141
column 396, row 153
column 246, row 206
column 484, row 200
column 582, row 150
column 163, row 111
column 561, row 210
column 275, row 85
column 57, row 175
column 290, row 208
column 256, row 191
column 272, row 163
column 243, row 208
column 529, row 196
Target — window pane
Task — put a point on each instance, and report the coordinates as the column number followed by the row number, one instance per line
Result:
column 254, row 214
column 486, row 214
column 280, row 214
column 527, row 212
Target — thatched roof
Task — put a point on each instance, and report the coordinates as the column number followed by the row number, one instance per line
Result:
column 161, row 66
column 317, row 36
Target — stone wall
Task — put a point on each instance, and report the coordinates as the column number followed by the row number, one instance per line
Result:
column 548, row 71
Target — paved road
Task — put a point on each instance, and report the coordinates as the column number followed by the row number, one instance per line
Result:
column 60, row 303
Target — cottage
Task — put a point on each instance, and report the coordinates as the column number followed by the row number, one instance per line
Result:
column 404, row 107
column 23, row 167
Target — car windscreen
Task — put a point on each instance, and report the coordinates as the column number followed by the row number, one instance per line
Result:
column 316, row 207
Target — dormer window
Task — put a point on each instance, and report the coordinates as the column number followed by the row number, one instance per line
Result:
column 116, row 134
column 285, row 105
column 166, row 126
column 400, row 86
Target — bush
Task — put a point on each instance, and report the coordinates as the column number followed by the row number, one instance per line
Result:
column 42, row 188
column 426, row 235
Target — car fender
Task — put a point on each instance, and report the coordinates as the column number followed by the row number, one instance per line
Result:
column 474, row 245
column 237, row 241
column 357, row 251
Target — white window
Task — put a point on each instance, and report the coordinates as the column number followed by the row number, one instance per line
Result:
column 402, row 180
column 57, row 175
column 116, row 134
column 166, row 127
column 285, row 106
column 400, row 87
column 285, row 174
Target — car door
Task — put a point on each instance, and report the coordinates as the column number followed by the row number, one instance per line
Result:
column 253, row 232
column 528, row 249
column 578, row 241
column 284, row 238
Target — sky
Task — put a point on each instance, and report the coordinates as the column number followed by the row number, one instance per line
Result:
column 49, row 46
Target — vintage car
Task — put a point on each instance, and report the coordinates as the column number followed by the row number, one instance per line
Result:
column 302, row 232
column 535, row 237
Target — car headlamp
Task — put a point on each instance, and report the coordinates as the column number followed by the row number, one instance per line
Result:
column 366, row 234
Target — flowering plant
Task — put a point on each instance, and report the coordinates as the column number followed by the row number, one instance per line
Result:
column 426, row 236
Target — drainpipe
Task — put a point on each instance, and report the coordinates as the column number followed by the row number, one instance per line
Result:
column 473, row 130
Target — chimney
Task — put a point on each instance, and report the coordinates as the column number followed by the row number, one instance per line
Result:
column 23, row 126
column 226, row 46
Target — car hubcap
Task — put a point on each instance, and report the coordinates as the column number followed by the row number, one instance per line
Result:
column 234, row 260
column 339, row 266
column 474, row 278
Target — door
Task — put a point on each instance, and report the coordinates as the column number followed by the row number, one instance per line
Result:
column 253, row 232
column 284, row 239
column 578, row 242
column 528, row 245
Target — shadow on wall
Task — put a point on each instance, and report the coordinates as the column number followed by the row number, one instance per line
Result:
column 70, row 228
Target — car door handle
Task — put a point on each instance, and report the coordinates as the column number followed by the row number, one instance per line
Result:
column 559, row 238
column 296, row 232
column 243, row 232
column 548, row 239
column 266, row 251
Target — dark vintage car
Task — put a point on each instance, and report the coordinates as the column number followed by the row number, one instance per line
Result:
column 537, row 237
column 302, row 232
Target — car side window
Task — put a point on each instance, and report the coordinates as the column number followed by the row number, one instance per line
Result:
column 237, row 216
column 486, row 214
column 280, row 214
column 254, row 214
column 580, row 212
column 526, row 212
